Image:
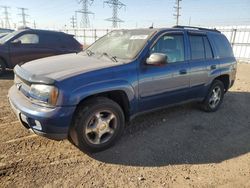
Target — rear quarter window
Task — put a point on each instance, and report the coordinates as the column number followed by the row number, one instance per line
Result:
column 222, row 46
column 69, row 41
column 51, row 40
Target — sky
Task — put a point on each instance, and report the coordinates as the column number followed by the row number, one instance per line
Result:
column 55, row 14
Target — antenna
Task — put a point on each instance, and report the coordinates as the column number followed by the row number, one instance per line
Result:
column 115, row 4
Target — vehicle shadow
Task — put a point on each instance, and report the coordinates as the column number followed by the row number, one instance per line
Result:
column 8, row 75
column 185, row 135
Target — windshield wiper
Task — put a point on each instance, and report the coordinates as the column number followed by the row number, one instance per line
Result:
column 89, row 52
column 113, row 58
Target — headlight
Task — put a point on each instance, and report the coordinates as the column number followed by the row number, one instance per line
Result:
column 45, row 95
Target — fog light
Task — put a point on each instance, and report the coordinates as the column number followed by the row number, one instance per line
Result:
column 24, row 118
column 38, row 125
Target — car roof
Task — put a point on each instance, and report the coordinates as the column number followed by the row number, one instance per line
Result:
column 44, row 31
column 180, row 28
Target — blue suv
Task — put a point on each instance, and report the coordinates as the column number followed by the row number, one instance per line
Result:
column 89, row 96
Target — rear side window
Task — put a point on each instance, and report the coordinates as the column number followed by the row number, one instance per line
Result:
column 197, row 47
column 200, row 47
column 208, row 50
column 222, row 46
column 51, row 40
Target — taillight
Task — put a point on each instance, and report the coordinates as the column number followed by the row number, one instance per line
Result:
column 81, row 47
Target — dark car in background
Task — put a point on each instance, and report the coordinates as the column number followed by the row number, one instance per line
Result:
column 25, row 45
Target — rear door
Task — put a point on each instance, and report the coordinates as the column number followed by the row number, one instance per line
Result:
column 201, row 63
column 167, row 84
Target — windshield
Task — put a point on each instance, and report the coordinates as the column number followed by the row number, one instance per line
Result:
column 8, row 37
column 121, row 44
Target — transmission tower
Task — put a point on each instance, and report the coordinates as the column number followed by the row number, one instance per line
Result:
column 73, row 22
column 177, row 11
column 115, row 4
column 6, row 16
column 85, row 12
column 76, row 19
column 24, row 16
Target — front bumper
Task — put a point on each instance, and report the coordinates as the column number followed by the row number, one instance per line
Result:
column 52, row 123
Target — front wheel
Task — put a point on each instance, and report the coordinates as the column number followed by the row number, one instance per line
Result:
column 214, row 97
column 98, row 124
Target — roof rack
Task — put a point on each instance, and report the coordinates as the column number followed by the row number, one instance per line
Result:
column 196, row 28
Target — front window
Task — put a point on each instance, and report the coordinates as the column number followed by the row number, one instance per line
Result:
column 28, row 39
column 122, row 44
column 172, row 45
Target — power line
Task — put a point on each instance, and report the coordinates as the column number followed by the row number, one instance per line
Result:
column 85, row 12
column 6, row 16
column 115, row 4
column 177, row 11
column 24, row 16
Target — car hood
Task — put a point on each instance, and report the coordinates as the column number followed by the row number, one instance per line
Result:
column 63, row 66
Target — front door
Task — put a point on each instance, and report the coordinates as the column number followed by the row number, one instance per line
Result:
column 24, row 48
column 167, row 84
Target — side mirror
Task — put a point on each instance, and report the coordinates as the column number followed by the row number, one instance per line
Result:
column 157, row 59
column 16, row 42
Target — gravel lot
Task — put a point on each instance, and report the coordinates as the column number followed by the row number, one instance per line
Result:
column 176, row 147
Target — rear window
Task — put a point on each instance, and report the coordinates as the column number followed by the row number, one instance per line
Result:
column 222, row 46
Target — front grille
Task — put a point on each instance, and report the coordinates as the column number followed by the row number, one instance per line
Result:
column 22, row 85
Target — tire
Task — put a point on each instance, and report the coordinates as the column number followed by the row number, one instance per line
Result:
column 97, row 125
column 213, row 101
column 2, row 67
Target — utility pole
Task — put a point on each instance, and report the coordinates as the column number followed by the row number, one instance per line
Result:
column 76, row 19
column 73, row 22
column 177, row 11
column 115, row 4
column 85, row 12
column 24, row 20
column 34, row 24
column 6, row 16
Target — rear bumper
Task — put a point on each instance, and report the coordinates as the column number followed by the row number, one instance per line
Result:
column 52, row 123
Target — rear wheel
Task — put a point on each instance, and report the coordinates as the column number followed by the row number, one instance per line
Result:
column 214, row 97
column 98, row 124
column 2, row 67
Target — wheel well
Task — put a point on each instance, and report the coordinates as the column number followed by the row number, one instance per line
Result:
column 118, row 96
column 225, row 80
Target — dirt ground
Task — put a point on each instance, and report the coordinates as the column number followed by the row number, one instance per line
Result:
column 176, row 147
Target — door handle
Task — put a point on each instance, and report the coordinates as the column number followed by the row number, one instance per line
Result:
column 183, row 71
column 212, row 67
